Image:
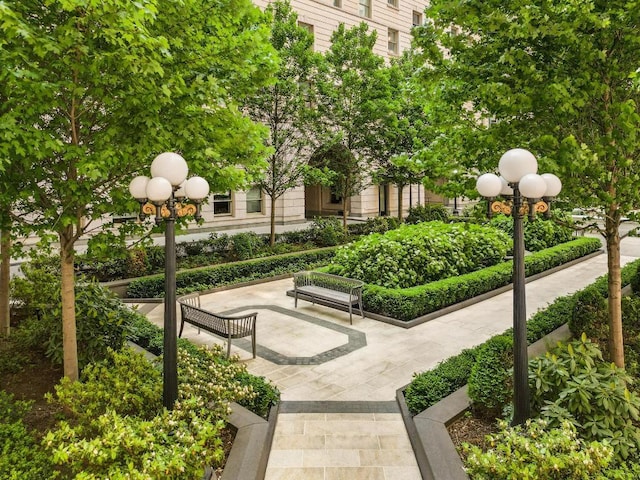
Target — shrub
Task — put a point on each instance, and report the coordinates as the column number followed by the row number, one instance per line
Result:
column 542, row 323
column 410, row 303
column 231, row 273
column 246, row 245
column 539, row 234
column 150, row 337
column 535, row 451
column 374, row 225
column 21, row 456
column 416, row 254
column 427, row 213
column 573, row 383
column 327, row 232
column 635, row 281
column 590, row 314
column 429, row 387
column 102, row 319
column 112, row 404
column 490, row 383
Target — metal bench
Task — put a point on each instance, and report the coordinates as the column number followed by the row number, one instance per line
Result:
column 329, row 288
column 228, row 327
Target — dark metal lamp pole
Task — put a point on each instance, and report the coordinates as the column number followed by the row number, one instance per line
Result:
column 522, row 188
column 165, row 191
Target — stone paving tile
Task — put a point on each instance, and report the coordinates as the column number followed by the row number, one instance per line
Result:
column 402, row 473
column 300, row 473
column 337, row 456
column 354, row 473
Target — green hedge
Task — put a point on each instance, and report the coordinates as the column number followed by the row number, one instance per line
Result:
column 230, row 273
column 409, row 303
column 419, row 395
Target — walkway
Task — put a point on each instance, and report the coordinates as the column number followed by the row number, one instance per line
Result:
column 338, row 419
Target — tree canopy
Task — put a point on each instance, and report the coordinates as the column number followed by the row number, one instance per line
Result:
column 551, row 76
column 96, row 89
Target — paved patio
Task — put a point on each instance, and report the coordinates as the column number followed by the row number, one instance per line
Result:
column 338, row 419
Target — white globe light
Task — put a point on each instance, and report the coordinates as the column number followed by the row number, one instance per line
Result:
column 138, row 187
column 159, row 189
column 506, row 189
column 532, row 186
column 489, row 185
column 170, row 166
column 517, row 163
column 554, row 185
column 196, row 188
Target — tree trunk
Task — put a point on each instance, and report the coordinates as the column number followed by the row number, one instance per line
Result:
column 69, row 341
column 616, row 342
column 400, row 199
column 344, row 212
column 272, row 236
column 5, row 274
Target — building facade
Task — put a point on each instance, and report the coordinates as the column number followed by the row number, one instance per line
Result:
column 393, row 21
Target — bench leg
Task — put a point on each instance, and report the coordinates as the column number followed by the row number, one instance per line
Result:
column 253, row 343
column 181, row 327
column 351, row 313
column 228, row 347
column 295, row 305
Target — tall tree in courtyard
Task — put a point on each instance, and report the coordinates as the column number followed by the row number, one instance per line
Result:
column 354, row 101
column 555, row 77
column 284, row 106
column 98, row 89
column 406, row 131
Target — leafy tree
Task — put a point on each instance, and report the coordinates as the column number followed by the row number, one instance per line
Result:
column 97, row 89
column 555, row 77
column 354, row 99
column 284, row 106
column 406, row 131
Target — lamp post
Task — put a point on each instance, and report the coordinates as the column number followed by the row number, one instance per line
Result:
column 524, row 192
column 164, row 195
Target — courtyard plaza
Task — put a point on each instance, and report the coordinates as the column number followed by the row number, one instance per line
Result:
column 338, row 418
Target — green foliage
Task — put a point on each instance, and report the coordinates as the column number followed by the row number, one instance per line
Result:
column 429, row 387
column 120, row 399
column 536, row 451
column 416, row 254
column 539, row 234
column 490, row 385
column 589, row 314
column 150, row 337
column 410, row 303
column 246, row 244
column 374, row 225
column 21, row 457
column 427, row 213
column 573, row 383
column 542, row 323
column 327, row 232
column 227, row 274
column 103, row 319
column 635, row 281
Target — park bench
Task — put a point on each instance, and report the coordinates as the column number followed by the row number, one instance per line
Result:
column 226, row 326
column 325, row 287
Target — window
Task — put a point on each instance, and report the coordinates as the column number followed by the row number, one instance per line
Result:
column 307, row 26
column 392, row 3
column 337, row 3
column 254, row 200
column 393, row 41
column 222, row 203
column 364, row 8
column 417, row 19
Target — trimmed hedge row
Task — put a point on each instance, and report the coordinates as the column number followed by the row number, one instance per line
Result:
column 231, row 273
column 409, row 303
column 428, row 388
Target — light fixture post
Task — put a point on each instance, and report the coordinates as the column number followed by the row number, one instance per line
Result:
column 163, row 195
column 522, row 189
